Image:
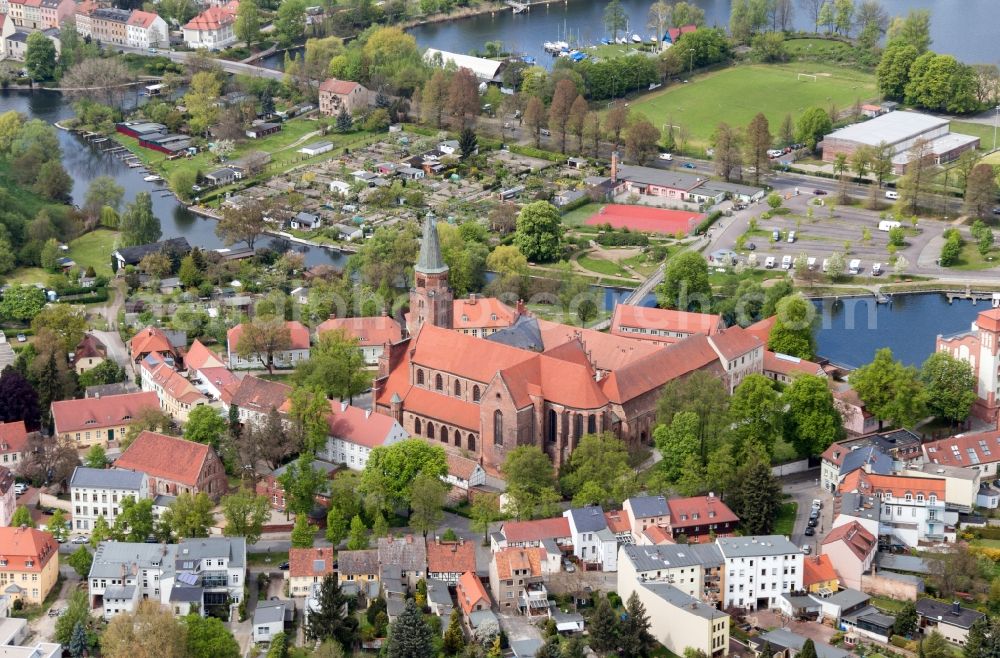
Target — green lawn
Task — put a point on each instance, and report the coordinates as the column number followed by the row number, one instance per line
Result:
column 94, row 250
column 981, row 130
column 971, row 260
column 27, row 275
column 734, row 95
column 580, row 215
column 272, row 559
column 986, row 543
column 785, row 522
column 602, row 266
column 825, row 49
column 612, row 50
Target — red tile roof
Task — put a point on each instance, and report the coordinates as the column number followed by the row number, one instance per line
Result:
column 199, row 357
column 150, row 339
column 373, row 331
column 439, row 406
column 335, row 86
column 258, row 395
column 898, row 485
column 18, row 545
column 90, row 346
column 510, row 559
column 734, row 342
column 142, row 19
column 473, row 358
column 532, row 531
column 699, row 511
column 605, row 351
column 13, row 437
column 220, row 377
column 627, row 315
column 481, row 312
column 790, row 365
column 94, row 413
column 214, row 17
column 461, row 467
column 617, row 521
column 762, row 328
column 174, row 385
column 165, row 457
column 958, row 450
column 658, row 535
column 663, row 365
column 817, row 569
column 451, row 557
column 359, row 426
column 298, row 332
column 470, row 592
column 309, row 562
column 861, row 542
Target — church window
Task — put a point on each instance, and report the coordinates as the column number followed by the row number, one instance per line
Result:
column 420, row 377
column 475, row 393
column 430, row 430
column 458, row 439
column 458, row 388
column 472, row 443
column 592, row 424
column 497, row 428
column 438, row 382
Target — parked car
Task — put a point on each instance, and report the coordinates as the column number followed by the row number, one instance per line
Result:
column 776, row 235
column 817, row 503
column 21, row 338
column 877, row 269
column 546, row 132
column 283, row 566
column 769, row 263
column 810, row 531
column 774, row 153
column 813, row 522
column 689, row 165
column 819, row 192
column 568, row 566
column 79, row 539
column 996, row 211
column 807, row 549
column 20, row 488
column 751, row 246
column 791, row 236
column 891, row 194
column 666, row 156
column 786, row 262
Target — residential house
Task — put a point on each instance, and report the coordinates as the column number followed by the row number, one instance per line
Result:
column 464, row 473
column 862, row 508
column 913, row 509
column 98, row 492
column 644, row 512
column 199, row 357
column 223, row 176
column 901, row 446
column 54, row 12
column 654, row 519
column 448, row 560
column 662, row 326
column 305, row 221
column 134, row 255
column 17, row 50
column 953, row 621
column 789, row 644
column 961, row 484
column 307, row 567
column 270, row 618
column 354, row 432
column 110, row 26
column 593, row 543
column 408, row 554
column 255, row 398
column 88, row 353
column 336, row 94
column 818, row 575
column 98, row 391
column 357, row 569
column 531, row 534
column 177, row 395
column 618, row 524
column 371, row 333
column 29, row 564
column 298, row 349
column 168, row 343
column 146, row 30
column 783, row 368
column 679, row 621
column 978, row 451
column 695, row 570
column 8, row 498
column 269, row 486
column 98, row 421
column 471, row 594
column 517, row 580
column 857, row 420
column 205, row 574
column 175, row 465
column 213, row 28
column 439, row 600
column 13, row 443
column 261, row 129
column 758, row 569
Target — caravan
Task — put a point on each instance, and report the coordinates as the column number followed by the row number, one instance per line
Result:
column 855, row 266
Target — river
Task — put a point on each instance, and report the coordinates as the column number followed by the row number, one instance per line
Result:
column 963, row 28
column 84, row 162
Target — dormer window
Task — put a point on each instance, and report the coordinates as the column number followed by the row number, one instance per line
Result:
column 3, row 562
column 90, row 422
column 920, row 498
column 29, row 563
column 127, row 418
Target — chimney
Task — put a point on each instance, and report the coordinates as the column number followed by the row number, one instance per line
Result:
column 343, row 406
column 368, row 413
column 711, row 496
column 472, row 299
column 956, row 608
column 614, row 166
column 521, row 309
column 333, row 316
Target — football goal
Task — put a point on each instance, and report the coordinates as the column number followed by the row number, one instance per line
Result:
column 808, row 76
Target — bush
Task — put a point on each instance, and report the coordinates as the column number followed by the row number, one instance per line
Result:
column 614, row 600
column 623, row 239
column 707, row 222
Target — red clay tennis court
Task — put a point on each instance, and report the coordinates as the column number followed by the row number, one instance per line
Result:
column 644, row 218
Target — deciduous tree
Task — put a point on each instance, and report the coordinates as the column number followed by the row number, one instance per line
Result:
column 531, row 483
column 427, row 498
column 890, row 390
column 463, row 98
column 262, row 338
column 391, row 471
column 758, row 141
column 303, row 532
column 40, row 57
column 756, row 411
column 981, row 191
column 950, row 386
column 640, row 140
column 539, row 229
column 138, row 225
column 812, row 421
column 792, row 333
column 190, row 515
column 245, row 514
column 728, row 155
column 151, row 631
column 812, row 126
column 598, row 471
column 244, row 224
column 685, row 284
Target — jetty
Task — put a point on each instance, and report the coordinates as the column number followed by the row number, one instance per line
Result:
column 992, row 297
column 518, row 7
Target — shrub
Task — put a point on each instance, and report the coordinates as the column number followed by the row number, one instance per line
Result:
column 707, row 222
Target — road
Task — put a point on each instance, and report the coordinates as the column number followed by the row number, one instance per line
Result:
column 225, row 65
column 802, row 489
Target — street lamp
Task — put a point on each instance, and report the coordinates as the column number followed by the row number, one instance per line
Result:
column 995, row 127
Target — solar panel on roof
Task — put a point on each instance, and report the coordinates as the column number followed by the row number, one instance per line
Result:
column 973, row 457
column 319, row 565
column 187, row 578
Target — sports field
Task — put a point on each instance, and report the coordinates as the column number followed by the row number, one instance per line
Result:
column 736, row 94
column 645, row 219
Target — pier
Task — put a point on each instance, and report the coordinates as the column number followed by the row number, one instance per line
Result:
column 992, row 297
column 518, row 7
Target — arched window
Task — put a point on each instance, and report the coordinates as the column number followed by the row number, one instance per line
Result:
column 577, row 426
column 472, row 443
column 592, row 424
column 458, row 439
column 550, row 426
column 438, row 382
column 497, row 428
column 475, row 393
column 417, row 425
column 458, row 388
column 420, row 377
column 430, row 430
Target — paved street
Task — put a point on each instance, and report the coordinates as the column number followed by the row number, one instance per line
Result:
column 803, row 488
column 45, row 626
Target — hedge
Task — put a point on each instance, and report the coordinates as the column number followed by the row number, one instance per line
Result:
column 706, row 223
column 573, row 205
column 532, row 152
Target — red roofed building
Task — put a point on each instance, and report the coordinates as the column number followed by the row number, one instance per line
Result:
column 978, row 451
column 913, row 508
column 516, row 579
column 662, row 326
column 481, row 316
column 818, row 575
column 254, row 398
column 89, row 353
column 531, row 533
column 980, row 348
column 306, row 567
column 146, row 30
column 97, row 421
column 298, row 349
column 372, row 333
column 784, row 368
column 464, row 473
column 335, row 94
column 851, row 550
column 175, row 465
column 13, row 443
column 29, row 564
column 699, row 518
column 355, row 432
column 177, row 395
column 153, row 339
column 212, row 28
column 471, row 594
column 199, row 356
column 448, row 560
column 8, row 499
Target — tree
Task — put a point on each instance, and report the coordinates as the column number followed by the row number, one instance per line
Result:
column 531, row 483
column 77, row 613
column 78, row 644
column 135, row 521
column 434, row 98
column 756, row 410
column 290, row 22
column 468, row 144
column 950, row 386
column 615, row 19
column 507, row 260
column 758, row 141
column 189, row 516
column 336, row 526
column 81, row 560
column 207, row 637
column 103, row 192
column 344, row 121
column 913, row 30
column 357, row 539
column 148, row 420
column 685, row 284
column 329, row 620
column 21, row 517
column 701, row 393
column 576, row 123
column 427, row 498
column 890, row 390
column 21, row 302
column 893, row 71
column 679, row 439
column 485, row 510
column 463, row 98
column 40, row 57
column 96, row 457
column 262, row 338
column 278, row 647
column 808, row 649
column 138, row 224
column 980, row 191
column 244, row 224
column 640, row 140
column 728, row 155
column 205, row 425
column 201, row 101
column 534, row 118
column 603, row 627
column 454, row 638
column 906, row 621
column 67, row 322
column 538, row 232
column 756, row 497
column 247, row 27
column 152, row 630
column 303, row 532
column 598, row 471
column 636, row 640
column 301, row 483
column 792, row 333
column 984, row 638
column 101, row 531
column 245, row 514
column 18, row 399
column 559, row 109
column 57, row 525
column 409, row 635
column 812, row 421
column 812, row 126
column 391, row 471
column 336, row 367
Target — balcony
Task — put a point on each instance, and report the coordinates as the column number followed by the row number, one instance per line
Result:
column 535, row 599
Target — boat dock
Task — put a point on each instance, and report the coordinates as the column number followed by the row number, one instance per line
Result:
column 992, row 297
column 518, row 7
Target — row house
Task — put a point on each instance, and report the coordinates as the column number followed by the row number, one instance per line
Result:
column 177, row 395
column 109, row 26
column 662, row 326
column 13, row 443
column 297, row 350
column 758, row 570
column 405, row 556
column 98, row 492
column 517, row 580
column 696, row 569
column 976, row 451
column 358, row 572
column 371, row 333
column 679, row 621
column 901, row 446
column 533, row 534
column 912, row 508
column 175, row 465
column 448, row 560
column 656, row 520
column 146, row 29
column 29, row 564
column 100, row 421
column 354, row 432
column 39, row 14
column 308, row 567
column 169, row 344
column 851, row 549
column 593, row 542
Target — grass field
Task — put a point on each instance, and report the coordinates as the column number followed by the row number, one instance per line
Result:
column 94, row 250
column 602, row 266
column 736, row 94
column 971, row 260
column 785, row 522
column 824, row 49
column 580, row 215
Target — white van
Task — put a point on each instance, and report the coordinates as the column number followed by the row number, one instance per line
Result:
column 791, row 236
column 855, row 266
column 811, row 263
column 826, row 265
column 888, row 224
column 769, row 263
column 786, row 262
column 891, row 194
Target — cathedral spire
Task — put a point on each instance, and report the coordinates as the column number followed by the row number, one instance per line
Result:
column 430, row 261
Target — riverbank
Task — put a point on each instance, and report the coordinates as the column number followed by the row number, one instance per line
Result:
column 203, row 211
column 471, row 12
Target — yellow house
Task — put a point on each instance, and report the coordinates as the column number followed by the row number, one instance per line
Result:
column 356, row 569
column 818, row 574
column 96, row 421
column 307, row 567
column 29, row 564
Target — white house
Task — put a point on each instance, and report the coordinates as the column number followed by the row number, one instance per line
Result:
column 298, row 349
column 354, row 432
column 340, row 187
column 269, row 619
column 371, row 333
column 464, row 473
column 679, row 621
column 305, row 221
column 593, row 542
column 759, row 569
column 212, row 28
column 694, row 569
column 146, row 30
column 912, row 508
column 316, row 148
column 97, row 492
